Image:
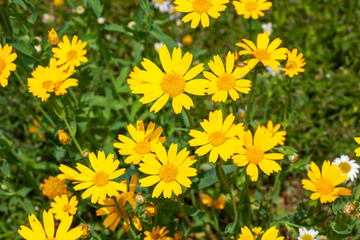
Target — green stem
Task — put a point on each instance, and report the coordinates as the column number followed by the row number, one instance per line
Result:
column 133, row 234
column 216, row 221
column 287, row 103
column 212, row 45
column 72, row 134
column 248, row 116
column 185, row 216
column 188, row 115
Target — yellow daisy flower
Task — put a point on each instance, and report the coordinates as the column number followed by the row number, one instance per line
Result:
column 294, row 63
column 357, row 151
column 251, row 8
column 270, row 234
column 168, row 170
column 208, row 201
column 98, row 182
column 53, row 187
column 173, row 83
column 6, row 63
column 324, row 183
column 70, row 55
column 157, row 234
column 142, row 142
column 37, row 231
column 219, row 137
column 266, row 53
column 254, row 154
column 46, row 80
column 110, row 209
column 224, row 82
column 64, row 138
column 150, row 209
column 62, row 207
column 200, row 10
column 274, row 130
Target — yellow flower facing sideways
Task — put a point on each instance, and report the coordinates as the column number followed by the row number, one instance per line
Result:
column 39, row 232
column 168, row 170
column 226, row 81
column 200, row 10
column 53, row 38
column 254, row 155
column 251, row 8
column 294, row 63
column 274, row 130
column 6, row 63
column 157, row 234
column 324, row 183
column 220, row 137
column 142, row 143
column 177, row 80
column 270, row 234
column 263, row 52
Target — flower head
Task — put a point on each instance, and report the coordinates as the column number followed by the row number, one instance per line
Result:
column 53, row 187
column 270, row 234
column 53, row 38
column 151, row 209
column 157, row 234
column 305, row 234
column 294, row 63
column 227, row 81
column 219, row 203
column 70, row 54
column 6, row 63
column 162, row 5
column 219, row 137
column 267, row 27
column 347, row 166
column 58, row 3
column 274, row 130
column 200, row 10
column 266, row 53
column 85, row 231
column 142, row 143
column 187, row 40
column 62, row 207
column 324, row 183
column 357, row 151
column 168, row 170
column 46, row 80
column 110, row 208
column 37, row 231
column 251, row 8
column 254, row 154
column 177, row 80
column 64, row 138
column 47, row 18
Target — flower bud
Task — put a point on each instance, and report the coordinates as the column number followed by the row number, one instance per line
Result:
column 53, row 38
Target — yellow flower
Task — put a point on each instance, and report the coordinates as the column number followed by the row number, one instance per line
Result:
column 35, row 128
column 324, row 183
column 50, row 79
column 254, row 154
column 58, row 3
column 178, row 235
column 157, row 234
column 226, row 82
column 53, row 38
column 294, row 63
column 85, row 231
column 200, row 10
column 110, row 209
column 251, row 8
column 70, row 54
column 6, row 63
column 37, row 231
column 53, row 187
column 142, row 143
column 64, row 138
column 219, row 137
column 257, row 230
column 62, row 207
column 173, row 83
column 151, row 209
column 220, row 203
column 208, row 201
column 279, row 135
column 67, row 173
column 98, row 182
column 264, row 52
column 270, row 234
column 187, row 40
column 168, row 170
column 357, row 151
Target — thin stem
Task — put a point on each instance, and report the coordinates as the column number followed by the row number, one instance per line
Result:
column 185, row 216
column 188, row 115
column 287, row 103
column 212, row 45
column 133, row 234
column 72, row 134
column 216, row 221
column 248, row 116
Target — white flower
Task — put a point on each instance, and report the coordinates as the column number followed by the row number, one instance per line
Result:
column 174, row 15
column 47, row 18
column 131, row 25
column 267, row 27
column 162, row 5
column 101, row 20
column 80, row 9
column 272, row 72
column 305, row 234
column 347, row 166
column 157, row 45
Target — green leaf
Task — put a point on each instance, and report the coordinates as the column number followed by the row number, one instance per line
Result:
column 157, row 33
column 230, row 228
column 96, row 7
column 145, row 6
column 209, row 177
column 19, row 2
column 6, row 169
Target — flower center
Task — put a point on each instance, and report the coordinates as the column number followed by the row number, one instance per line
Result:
column 254, row 154
column 217, row 138
column 168, row 173
column 251, row 6
column 101, row 179
column 307, row 237
column 201, row 6
column 291, row 65
column 173, row 84
column 345, row 167
column 261, row 54
column 67, row 208
column 47, row 84
column 2, row 65
column 71, row 55
column 226, row 82
column 324, row 186
column 143, row 147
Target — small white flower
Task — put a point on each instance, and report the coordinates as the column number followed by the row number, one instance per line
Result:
column 157, row 45
column 101, row 20
column 47, row 18
column 347, row 166
column 80, row 9
column 305, row 234
column 37, row 48
column 267, row 27
column 272, row 72
column 174, row 15
column 131, row 24
column 162, row 5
